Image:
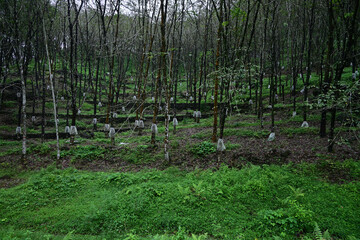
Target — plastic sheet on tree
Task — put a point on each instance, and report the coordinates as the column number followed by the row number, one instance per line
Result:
column 292, row 88
column 100, row 104
column 123, row 109
column 305, row 124
column 294, row 113
column 251, row 102
column 198, row 114
column 33, row 118
column 18, row 130
column 300, row 75
column 114, row 115
column 160, row 108
column 136, row 124
column 107, row 127
column 84, row 94
column 171, row 99
column 220, row 145
column 354, row 76
column 141, row 124
column 269, row 86
column 48, row 87
column 302, row 91
column 271, row 137
column 67, row 129
column 154, row 128
column 94, row 121
column 134, row 97
column 62, row 98
column 175, row 122
column 194, row 114
column 269, row 107
column 112, row 132
column 73, row 130
column 152, row 99
column 212, row 98
column 191, row 99
column 79, row 112
column 186, row 94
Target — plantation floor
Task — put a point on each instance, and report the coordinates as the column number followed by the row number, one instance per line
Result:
column 253, row 202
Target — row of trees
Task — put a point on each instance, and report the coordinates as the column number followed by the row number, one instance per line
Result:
column 114, row 52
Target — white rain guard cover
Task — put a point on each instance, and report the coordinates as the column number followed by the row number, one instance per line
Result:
column 227, row 111
column 276, row 97
column 357, row 73
column 79, row 111
column 292, row 88
column 175, row 122
column 220, row 145
column 100, row 104
column 191, row 98
column 136, row 123
column 251, row 102
column 33, row 118
column 300, row 75
column 18, row 94
column 107, row 127
column 62, row 98
column 58, row 121
column 94, row 121
column 134, row 97
column 152, row 99
column 294, row 114
column 171, row 99
column 198, row 114
column 141, row 124
column 123, row 109
column 305, row 124
column 194, row 113
column 302, row 90
column 67, row 129
column 84, row 94
column 270, row 107
column 212, row 98
column 271, row 137
column 160, row 108
column 282, row 67
column 351, row 64
column 354, row 75
column 112, row 132
column 154, row 128
column 269, row 86
column 187, row 94
column 18, row 130
column 114, row 115
column 248, row 87
column 205, row 94
column 169, row 117
column 48, row 87
column 73, row 130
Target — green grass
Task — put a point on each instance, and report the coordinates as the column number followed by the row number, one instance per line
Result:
column 254, row 202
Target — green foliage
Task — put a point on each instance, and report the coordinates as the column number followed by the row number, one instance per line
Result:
column 203, row 149
column 254, row 202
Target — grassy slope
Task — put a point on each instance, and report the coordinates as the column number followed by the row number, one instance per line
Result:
column 252, row 202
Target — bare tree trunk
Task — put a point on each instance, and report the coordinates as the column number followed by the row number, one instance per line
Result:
column 51, row 76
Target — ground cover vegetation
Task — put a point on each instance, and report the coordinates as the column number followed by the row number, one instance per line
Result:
column 179, row 119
